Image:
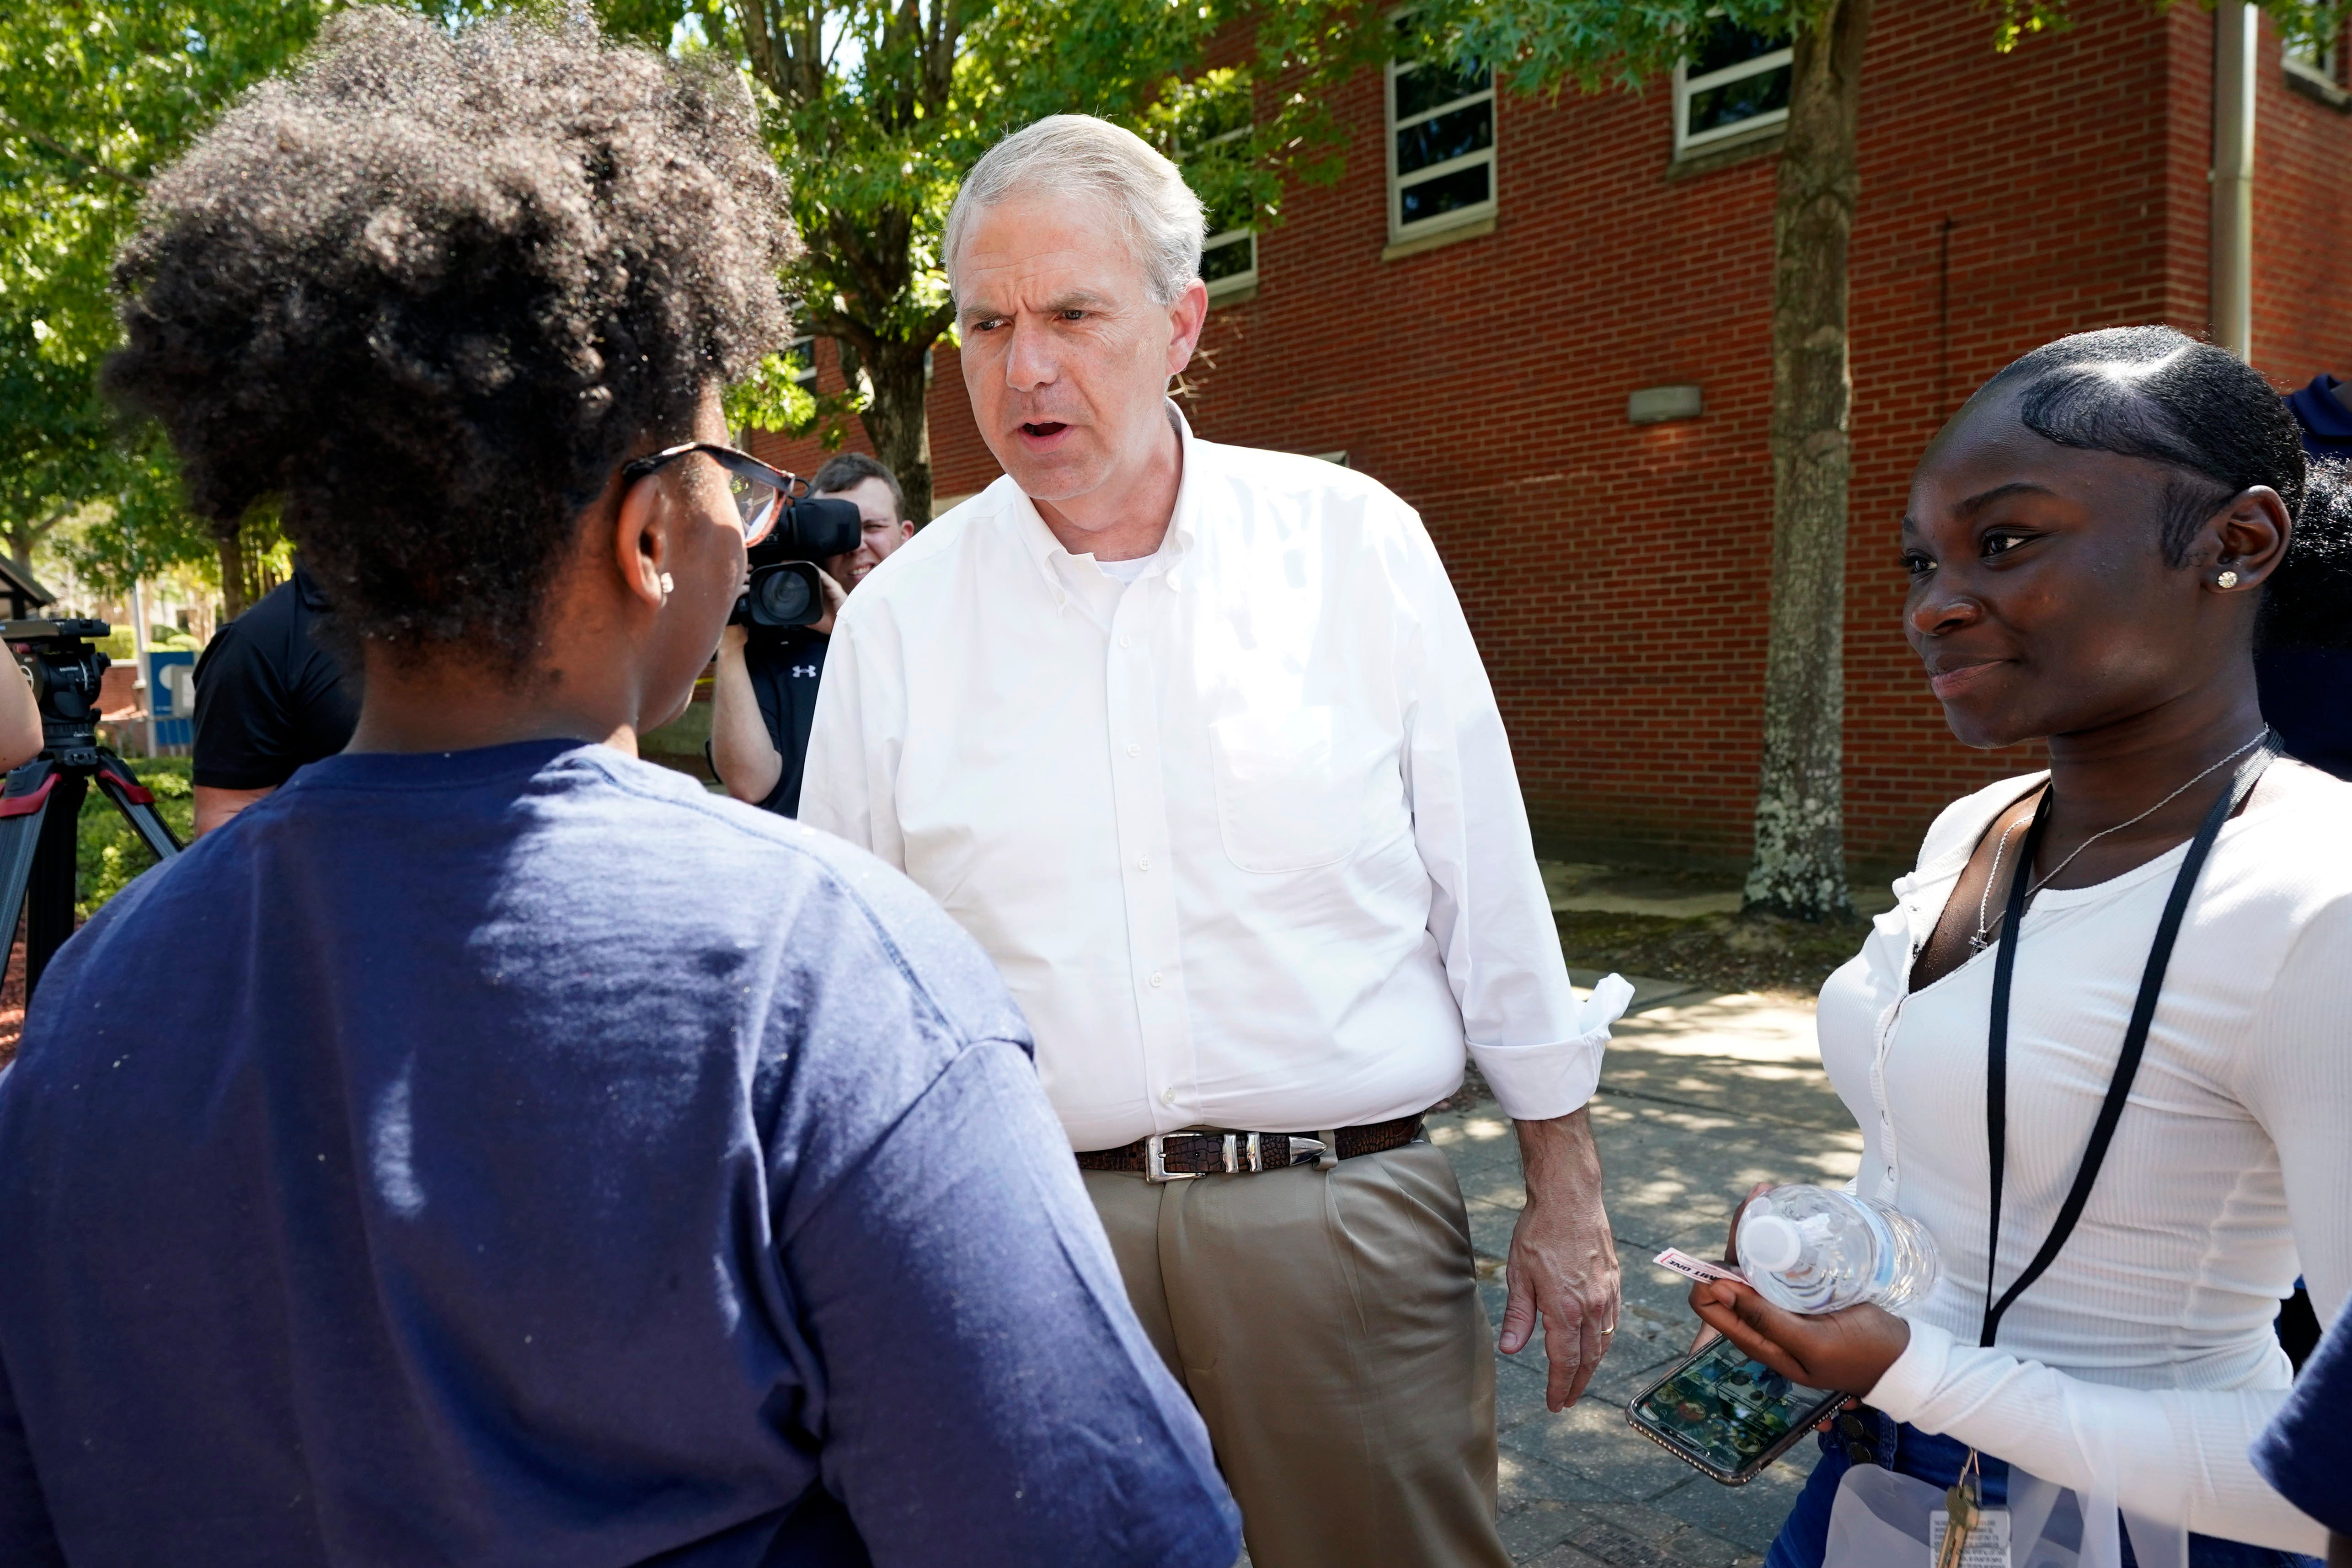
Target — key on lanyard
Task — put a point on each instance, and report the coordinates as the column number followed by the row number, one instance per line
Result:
column 1963, row 1511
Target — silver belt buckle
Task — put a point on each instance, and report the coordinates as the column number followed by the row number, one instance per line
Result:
column 1155, row 1159
column 1155, row 1156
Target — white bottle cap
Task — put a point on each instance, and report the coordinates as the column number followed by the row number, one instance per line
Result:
column 1769, row 1241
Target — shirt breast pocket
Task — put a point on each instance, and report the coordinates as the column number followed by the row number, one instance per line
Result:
column 1287, row 797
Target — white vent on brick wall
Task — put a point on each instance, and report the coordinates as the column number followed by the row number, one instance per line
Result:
column 1656, row 404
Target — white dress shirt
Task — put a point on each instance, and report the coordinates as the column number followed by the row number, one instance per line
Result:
column 1243, row 836
column 2144, row 1362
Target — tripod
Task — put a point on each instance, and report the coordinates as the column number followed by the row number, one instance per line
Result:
column 41, row 804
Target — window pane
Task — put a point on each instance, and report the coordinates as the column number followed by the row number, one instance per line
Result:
column 1447, row 136
column 1234, row 255
column 1734, row 101
column 1426, row 87
column 800, row 355
column 1445, row 193
column 1235, row 211
column 1727, row 46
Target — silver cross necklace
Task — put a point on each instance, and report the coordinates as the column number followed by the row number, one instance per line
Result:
column 1983, row 938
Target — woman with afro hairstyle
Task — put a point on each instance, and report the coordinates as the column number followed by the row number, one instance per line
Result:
column 2098, row 1046
column 526, row 1156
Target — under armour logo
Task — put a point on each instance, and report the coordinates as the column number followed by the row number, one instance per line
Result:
column 807, row 669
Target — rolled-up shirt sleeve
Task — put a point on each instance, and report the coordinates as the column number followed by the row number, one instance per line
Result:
column 2175, row 1456
column 1539, row 1046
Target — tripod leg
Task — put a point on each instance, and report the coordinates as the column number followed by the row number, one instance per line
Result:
column 137, row 806
column 49, row 908
column 24, row 804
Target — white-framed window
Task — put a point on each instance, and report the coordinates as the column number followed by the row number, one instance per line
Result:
column 1229, row 256
column 1733, row 81
column 801, row 354
column 1440, row 147
column 2318, row 62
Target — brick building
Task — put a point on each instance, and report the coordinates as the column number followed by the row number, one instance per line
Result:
column 1470, row 313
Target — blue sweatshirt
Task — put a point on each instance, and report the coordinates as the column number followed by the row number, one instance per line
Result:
column 521, row 1156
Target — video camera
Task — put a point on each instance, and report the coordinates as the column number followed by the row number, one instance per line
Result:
column 66, row 672
column 40, row 801
column 784, row 590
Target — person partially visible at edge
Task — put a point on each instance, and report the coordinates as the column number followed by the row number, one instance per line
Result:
column 2092, row 542
column 764, row 697
column 2308, row 685
column 2307, row 1451
column 271, row 698
column 528, row 1157
column 1195, row 740
column 20, row 720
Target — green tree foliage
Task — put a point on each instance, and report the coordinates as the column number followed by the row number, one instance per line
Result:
column 93, row 98
column 1545, row 46
column 877, row 108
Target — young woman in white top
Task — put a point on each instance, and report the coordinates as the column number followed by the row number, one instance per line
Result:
column 2093, row 542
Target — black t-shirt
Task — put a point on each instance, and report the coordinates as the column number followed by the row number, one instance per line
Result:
column 268, row 697
column 785, row 669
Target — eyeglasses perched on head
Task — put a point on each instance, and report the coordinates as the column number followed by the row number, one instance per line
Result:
column 760, row 491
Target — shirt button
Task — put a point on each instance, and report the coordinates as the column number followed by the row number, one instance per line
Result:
column 1135, row 751
column 1124, row 640
column 1166, row 1097
column 1156, row 978
column 1144, row 864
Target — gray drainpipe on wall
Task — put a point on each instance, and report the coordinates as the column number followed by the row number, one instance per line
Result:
column 2233, row 177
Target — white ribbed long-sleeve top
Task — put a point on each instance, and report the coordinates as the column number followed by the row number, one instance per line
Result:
column 2144, row 1362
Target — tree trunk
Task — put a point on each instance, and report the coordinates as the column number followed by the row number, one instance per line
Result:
column 231, row 541
column 1799, row 865
column 894, row 421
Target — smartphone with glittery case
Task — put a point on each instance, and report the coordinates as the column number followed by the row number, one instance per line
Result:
column 1723, row 1413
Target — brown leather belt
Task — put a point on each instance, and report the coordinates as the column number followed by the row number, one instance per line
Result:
column 1181, row 1156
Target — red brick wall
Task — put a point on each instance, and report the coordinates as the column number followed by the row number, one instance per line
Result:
column 1616, row 576
column 2303, row 228
column 804, row 455
column 960, row 460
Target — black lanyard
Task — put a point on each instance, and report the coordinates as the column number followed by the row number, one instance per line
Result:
column 2151, row 983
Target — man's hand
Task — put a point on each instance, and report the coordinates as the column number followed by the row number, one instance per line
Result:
column 1563, row 1263
column 1848, row 1350
column 835, row 596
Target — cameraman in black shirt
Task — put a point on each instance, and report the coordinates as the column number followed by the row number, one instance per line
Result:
column 765, row 693
column 268, row 700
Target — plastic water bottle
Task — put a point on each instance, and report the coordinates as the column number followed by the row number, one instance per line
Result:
column 1815, row 1249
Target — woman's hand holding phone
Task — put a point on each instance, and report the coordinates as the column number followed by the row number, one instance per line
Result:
column 1848, row 1350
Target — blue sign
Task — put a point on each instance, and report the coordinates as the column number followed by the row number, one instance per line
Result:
column 171, row 696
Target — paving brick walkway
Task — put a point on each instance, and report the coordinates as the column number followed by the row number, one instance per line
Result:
column 1703, row 1095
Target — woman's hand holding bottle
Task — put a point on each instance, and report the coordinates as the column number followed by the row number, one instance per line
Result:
column 1848, row 1350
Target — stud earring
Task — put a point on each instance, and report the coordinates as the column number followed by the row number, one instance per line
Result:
column 2226, row 580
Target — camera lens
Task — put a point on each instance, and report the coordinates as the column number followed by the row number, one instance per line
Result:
column 782, row 598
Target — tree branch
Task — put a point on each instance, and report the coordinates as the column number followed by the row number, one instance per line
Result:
column 752, row 15
column 59, row 149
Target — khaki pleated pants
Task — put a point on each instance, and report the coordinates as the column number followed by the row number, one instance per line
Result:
column 1328, row 1325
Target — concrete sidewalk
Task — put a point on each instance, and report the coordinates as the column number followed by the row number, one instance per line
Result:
column 1703, row 1095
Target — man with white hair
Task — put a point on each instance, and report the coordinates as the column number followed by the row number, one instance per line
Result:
column 1195, row 740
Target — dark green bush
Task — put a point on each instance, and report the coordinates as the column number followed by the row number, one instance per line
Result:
column 109, row 853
